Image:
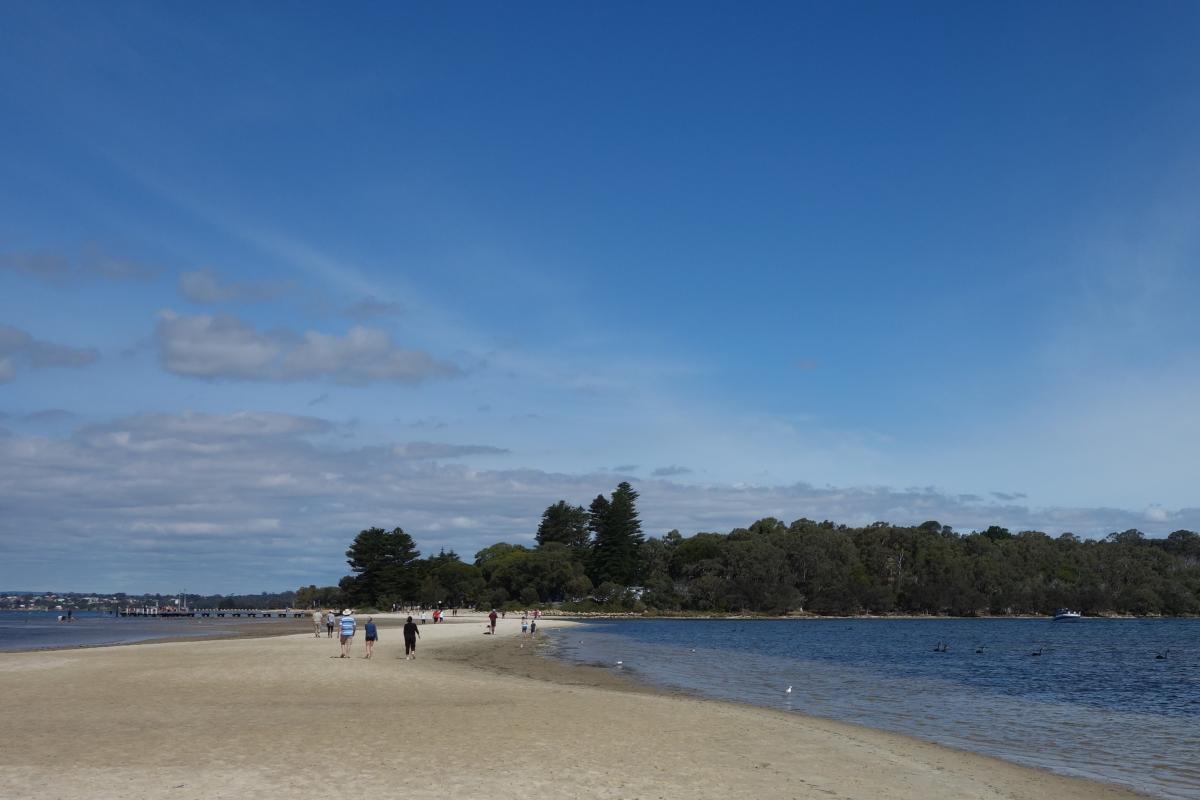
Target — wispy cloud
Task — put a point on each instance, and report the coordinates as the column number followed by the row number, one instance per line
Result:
column 49, row 416
column 431, row 423
column 20, row 350
column 203, row 286
column 247, row 500
column 226, row 347
column 671, row 471
column 372, row 308
column 61, row 267
column 435, row 450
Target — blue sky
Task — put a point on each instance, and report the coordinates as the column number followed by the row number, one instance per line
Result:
column 270, row 274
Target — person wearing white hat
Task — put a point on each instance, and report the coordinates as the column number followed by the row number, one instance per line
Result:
column 348, row 626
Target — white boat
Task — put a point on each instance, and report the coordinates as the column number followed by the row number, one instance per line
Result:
column 1066, row 615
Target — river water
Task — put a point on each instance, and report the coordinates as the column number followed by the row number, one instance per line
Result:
column 1097, row 703
column 35, row 630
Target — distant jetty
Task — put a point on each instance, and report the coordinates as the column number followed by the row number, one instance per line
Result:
column 169, row 612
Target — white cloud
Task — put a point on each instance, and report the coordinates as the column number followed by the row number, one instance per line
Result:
column 1157, row 514
column 361, row 356
column 19, row 348
column 255, row 500
column 436, row 450
column 223, row 346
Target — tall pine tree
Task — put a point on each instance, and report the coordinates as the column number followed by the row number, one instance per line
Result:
column 618, row 535
column 384, row 563
column 564, row 523
column 597, row 522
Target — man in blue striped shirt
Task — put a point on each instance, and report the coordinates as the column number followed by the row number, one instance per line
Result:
column 347, row 632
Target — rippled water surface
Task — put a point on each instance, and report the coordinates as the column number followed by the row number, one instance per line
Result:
column 34, row 630
column 1097, row 702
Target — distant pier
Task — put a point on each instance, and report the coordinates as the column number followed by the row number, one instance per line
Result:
column 157, row 611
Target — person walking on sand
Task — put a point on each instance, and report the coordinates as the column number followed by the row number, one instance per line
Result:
column 411, row 632
column 317, row 620
column 371, row 633
column 492, row 621
column 330, row 621
column 348, row 626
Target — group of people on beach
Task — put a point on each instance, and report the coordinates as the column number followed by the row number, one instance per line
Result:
column 529, row 622
column 347, row 627
column 529, row 625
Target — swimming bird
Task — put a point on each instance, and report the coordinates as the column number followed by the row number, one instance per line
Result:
column 619, row 663
column 1037, row 652
column 979, row 649
column 1161, row 656
column 942, row 647
column 788, row 690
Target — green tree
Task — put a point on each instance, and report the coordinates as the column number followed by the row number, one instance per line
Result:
column 615, row 548
column 565, row 524
column 548, row 570
column 463, row 583
column 578, row 587
column 432, row 592
column 384, row 566
column 759, row 577
column 319, row 597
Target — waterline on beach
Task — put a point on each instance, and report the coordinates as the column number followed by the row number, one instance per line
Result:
column 1096, row 704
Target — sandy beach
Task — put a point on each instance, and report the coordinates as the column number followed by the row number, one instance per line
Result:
column 473, row 717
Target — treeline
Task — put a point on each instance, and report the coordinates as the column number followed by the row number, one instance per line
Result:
column 261, row 600
column 598, row 558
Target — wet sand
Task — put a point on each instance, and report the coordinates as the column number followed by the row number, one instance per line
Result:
column 473, row 717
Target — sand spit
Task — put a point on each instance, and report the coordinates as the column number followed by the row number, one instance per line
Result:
column 473, row 717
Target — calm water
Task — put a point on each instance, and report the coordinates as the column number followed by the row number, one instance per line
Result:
column 34, row 630
column 1097, row 703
